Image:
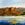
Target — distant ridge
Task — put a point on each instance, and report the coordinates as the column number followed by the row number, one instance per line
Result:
column 13, row 6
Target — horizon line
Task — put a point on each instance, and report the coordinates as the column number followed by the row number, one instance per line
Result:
column 13, row 6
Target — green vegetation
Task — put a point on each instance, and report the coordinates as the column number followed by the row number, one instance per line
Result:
column 20, row 14
column 23, row 13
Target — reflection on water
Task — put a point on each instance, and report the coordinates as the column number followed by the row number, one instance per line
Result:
column 18, row 20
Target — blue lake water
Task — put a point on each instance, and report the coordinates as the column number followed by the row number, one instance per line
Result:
column 3, row 22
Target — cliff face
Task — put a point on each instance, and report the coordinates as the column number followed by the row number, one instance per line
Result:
column 11, row 11
column 8, row 11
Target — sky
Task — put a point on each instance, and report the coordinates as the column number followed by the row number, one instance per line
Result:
column 12, row 3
